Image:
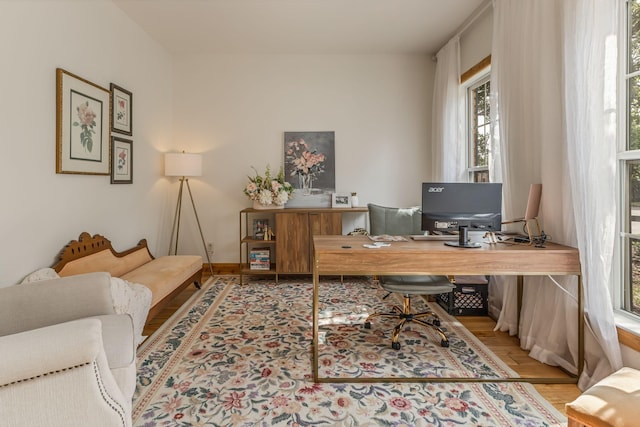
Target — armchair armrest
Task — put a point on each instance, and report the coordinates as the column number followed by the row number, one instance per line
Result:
column 38, row 352
column 58, row 376
column 35, row 305
column 118, row 340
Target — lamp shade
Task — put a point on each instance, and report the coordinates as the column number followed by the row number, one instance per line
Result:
column 182, row 164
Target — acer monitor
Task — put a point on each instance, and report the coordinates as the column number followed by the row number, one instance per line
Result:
column 448, row 206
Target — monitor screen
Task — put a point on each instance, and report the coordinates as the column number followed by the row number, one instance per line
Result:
column 447, row 206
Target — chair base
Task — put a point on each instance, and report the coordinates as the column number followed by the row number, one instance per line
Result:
column 406, row 316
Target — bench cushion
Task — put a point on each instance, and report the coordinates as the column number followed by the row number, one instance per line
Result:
column 162, row 275
column 613, row 401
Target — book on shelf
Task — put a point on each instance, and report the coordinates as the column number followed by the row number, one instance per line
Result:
column 260, row 259
column 388, row 238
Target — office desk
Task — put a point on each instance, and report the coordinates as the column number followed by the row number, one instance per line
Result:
column 345, row 255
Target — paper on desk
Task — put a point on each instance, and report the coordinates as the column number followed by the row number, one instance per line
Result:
column 388, row 238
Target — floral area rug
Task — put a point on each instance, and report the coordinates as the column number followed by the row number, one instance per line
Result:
column 240, row 355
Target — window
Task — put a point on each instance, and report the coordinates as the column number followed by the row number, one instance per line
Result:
column 629, row 163
column 479, row 128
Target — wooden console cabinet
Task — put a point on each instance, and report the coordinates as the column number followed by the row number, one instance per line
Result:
column 294, row 228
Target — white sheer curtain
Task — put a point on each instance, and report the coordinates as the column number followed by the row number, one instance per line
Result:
column 528, row 97
column 590, row 73
column 446, row 143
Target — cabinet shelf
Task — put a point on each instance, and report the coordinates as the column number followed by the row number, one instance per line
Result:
column 249, row 239
column 246, row 270
column 291, row 251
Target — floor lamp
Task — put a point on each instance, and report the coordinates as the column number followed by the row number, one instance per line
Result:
column 184, row 165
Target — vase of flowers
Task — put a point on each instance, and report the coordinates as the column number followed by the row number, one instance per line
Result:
column 268, row 192
column 307, row 163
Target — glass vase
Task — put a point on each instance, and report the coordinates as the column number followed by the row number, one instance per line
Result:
column 306, row 183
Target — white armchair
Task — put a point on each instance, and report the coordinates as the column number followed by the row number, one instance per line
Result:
column 66, row 357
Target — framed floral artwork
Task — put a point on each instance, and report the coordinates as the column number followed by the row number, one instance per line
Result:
column 121, row 110
column 309, row 166
column 82, row 125
column 121, row 160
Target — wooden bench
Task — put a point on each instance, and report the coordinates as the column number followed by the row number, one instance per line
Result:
column 165, row 276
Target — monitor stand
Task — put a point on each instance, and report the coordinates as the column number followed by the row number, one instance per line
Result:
column 463, row 239
column 468, row 245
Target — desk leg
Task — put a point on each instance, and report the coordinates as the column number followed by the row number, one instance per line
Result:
column 315, row 343
column 520, row 286
column 580, row 327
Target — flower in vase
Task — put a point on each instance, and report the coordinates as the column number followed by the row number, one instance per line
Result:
column 267, row 189
column 306, row 162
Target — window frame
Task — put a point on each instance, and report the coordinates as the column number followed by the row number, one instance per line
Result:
column 625, row 158
column 480, row 77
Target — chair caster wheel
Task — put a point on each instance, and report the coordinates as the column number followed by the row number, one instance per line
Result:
column 444, row 343
column 367, row 325
column 436, row 322
column 395, row 345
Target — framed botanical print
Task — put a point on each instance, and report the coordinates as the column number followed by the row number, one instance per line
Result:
column 121, row 110
column 121, row 160
column 82, row 125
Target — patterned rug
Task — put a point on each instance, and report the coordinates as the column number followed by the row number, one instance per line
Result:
column 240, row 355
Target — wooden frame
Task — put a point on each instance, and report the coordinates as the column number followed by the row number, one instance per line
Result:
column 121, row 110
column 88, row 245
column 82, row 125
column 121, row 160
column 339, row 200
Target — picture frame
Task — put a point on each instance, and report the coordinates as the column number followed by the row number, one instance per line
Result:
column 260, row 226
column 121, row 110
column 339, row 200
column 82, row 126
column 121, row 160
column 309, row 166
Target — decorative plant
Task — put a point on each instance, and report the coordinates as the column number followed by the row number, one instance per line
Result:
column 268, row 189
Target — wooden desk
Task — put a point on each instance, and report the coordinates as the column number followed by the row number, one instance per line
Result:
column 345, row 255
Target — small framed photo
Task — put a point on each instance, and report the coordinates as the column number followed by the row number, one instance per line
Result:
column 121, row 110
column 82, row 125
column 121, row 161
column 340, row 200
column 260, row 226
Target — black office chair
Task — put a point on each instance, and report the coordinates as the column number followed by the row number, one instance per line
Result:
column 406, row 221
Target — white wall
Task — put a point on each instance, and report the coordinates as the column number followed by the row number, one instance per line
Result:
column 475, row 42
column 235, row 108
column 42, row 210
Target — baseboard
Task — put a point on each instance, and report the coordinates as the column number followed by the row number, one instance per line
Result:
column 222, row 269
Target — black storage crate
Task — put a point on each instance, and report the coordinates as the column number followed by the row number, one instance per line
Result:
column 466, row 300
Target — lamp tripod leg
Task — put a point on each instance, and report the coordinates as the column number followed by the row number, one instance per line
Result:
column 204, row 245
column 175, row 228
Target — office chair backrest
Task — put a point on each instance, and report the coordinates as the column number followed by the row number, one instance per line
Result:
column 394, row 221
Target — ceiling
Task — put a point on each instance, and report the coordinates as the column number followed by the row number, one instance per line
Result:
column 301, row 26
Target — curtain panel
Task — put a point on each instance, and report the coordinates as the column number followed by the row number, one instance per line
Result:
column 552, row 108
column 447, row 144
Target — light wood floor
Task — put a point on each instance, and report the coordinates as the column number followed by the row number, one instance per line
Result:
column 503, row 345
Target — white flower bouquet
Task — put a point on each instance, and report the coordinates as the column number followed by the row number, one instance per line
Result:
column 268, row 190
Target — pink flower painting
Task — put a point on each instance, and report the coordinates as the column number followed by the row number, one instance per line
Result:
column 86, row 122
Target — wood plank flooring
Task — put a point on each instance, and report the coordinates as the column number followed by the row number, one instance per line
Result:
column 503, row 345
